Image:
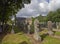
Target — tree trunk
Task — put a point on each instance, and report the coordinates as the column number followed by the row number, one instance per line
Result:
column 3, row 27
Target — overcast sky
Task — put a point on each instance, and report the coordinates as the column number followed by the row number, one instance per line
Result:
column 37, row 7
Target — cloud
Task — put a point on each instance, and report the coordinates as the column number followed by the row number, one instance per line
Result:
column 54, row 4
column 37, row 7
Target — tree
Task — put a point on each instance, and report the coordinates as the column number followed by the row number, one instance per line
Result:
column 41, row 18
column 54, row 16
column 9, row 8
column 50, row 16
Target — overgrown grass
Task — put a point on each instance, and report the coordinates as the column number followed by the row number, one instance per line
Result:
column 18, row 38
column 51, row 40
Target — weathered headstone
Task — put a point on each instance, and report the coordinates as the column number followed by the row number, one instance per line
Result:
column 28, row 26
column 58, row 25
column 12, row 31
column 29, row 22
column 50, row 28
column 36, row 30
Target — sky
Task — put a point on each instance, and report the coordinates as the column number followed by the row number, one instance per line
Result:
column 38, row 7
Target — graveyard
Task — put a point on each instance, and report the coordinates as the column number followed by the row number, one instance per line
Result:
column 40, row 35
column 19, row 38
column 29, row 22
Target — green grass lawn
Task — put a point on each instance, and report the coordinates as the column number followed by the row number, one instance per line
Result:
column 18, row 38
column 51, row 40
column 57, row 33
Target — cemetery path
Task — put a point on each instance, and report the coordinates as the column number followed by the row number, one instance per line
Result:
column 33, row 40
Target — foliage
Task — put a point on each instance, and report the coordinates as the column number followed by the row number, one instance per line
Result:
column 41, row 18
column 10, row 7
column 16, row 29
column 54, row 16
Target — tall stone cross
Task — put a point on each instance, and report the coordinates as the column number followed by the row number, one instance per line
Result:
column 36, row 30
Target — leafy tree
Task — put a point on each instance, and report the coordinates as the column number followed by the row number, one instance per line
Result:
column 54, row 16
column 9, row 8
column 41, row 18
column 50, row 16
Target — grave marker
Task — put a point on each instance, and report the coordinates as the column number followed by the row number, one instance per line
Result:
column 50, row 28
column 36, row 30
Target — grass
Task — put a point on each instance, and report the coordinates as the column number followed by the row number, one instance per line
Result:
column 43, row 32
column 57, row 33
column 18, row 38
column 51, row 40
column 48, row 39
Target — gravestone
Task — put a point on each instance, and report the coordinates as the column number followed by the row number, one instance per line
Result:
column 50, row 31
column 36, row 30
column 58, row 25
column 29, row 22
column 28, row 28
column 12, row 31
